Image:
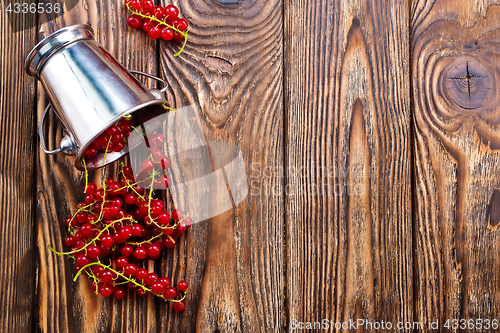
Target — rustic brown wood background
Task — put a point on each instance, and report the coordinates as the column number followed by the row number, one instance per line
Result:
column 371, row 137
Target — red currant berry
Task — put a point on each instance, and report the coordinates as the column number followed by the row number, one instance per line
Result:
column 97, row 270
column 130, row 199
column 158, row 287
column 118, row 138
column 93, row 251
column 187, row 222
column 106, row 290
column 158, row 203
column 178, row 232
column 89, row 199
column 100, row 195
column 158, row 138
column 168, row 232
column 107, row 241
column 147, row 25
column 170, row 242
column 119, row 239
column 137, row 230
column 141, row 274
column 170, row 293
column 178, row 37
column 167, row 34
column 86, row 229
column 108, row 213
column 177, row 214
column 82, row 260
column 126, row 250
column 91, row 218
column 140, row 253
column 121, row 262
column 152, row 278
column 162, row 182
column 138, row 214
column 112, row 131
column 156, row 230
column 171, row 12
column 91, row 152
column 119, row 293
column 148, row 5
column 153, row 250
column 147, row 165
column 80, row 218
column 117, row 202
column 134, row 22
column 158, row 13
column 136, row 4
column 154, row 32
column 166, row 281
column 127, row 170
column 118, row 147
column 163, row 218
column 144, row 208
column 179, row 306
column 181, row 24
column 140, row 291
column 182, row 285
column 126, row 232
column 130, row 270
column 70, row 241
column 165, row 162
column 155, row 210
column 108, row 276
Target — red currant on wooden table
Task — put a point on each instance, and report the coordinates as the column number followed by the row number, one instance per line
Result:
column 121, row 225
column 158, row 21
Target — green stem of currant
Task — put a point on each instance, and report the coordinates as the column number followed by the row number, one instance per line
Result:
column 91, row 242
column 127, row 279
column 146, row 241
column 78, row 211
column 106, row 152
column 86, row 174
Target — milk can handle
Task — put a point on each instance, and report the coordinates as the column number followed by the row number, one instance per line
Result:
column 42, row 135
column 165, row 84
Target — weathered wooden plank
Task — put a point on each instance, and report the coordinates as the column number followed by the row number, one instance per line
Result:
column 65, row 306
column 348, row 210
column 455, row 67
column 231, row 73
column 17, row 156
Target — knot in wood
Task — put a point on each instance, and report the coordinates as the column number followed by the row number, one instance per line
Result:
column 468, row 84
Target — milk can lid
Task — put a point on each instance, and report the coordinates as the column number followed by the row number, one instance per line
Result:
column 53, row 43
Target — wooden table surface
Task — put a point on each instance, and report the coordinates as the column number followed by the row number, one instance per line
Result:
column 370, row 132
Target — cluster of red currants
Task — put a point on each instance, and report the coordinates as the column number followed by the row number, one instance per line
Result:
column 113, row 140
column 119, row 226
column 156, row 20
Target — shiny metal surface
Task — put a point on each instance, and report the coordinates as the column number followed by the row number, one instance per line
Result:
column 68, row 145
column 88, row 89
column 53, row 43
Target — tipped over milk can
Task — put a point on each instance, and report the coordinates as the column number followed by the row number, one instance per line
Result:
column 89, row 92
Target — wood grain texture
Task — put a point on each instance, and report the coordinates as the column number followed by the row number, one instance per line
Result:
column 231, row 74
column 348, row 209
column 17, row 157
column 456, row 79
column 64, row 305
